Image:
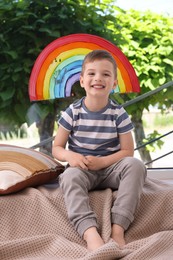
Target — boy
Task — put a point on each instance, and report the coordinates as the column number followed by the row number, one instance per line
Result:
column 100, row 154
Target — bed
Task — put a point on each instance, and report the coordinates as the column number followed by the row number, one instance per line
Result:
column 34, row 223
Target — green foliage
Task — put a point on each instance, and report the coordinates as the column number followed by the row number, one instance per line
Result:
column 147, row 42
column 26, row 27
column 154, row 145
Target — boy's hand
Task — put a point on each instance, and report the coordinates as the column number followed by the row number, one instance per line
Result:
column 94, row 163
column 77, row 160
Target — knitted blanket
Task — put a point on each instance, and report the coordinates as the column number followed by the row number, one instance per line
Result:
column 34, row 225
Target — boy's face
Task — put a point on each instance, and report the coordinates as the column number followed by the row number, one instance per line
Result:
column 98, row 78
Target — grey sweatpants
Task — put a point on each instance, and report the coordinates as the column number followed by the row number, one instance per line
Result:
column 127, row 176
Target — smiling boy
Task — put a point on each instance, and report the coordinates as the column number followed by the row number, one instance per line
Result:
column 100, row 153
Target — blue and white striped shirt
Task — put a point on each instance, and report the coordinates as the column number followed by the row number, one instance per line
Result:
column 95, row 133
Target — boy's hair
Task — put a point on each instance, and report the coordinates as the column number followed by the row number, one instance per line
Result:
column 99, row 55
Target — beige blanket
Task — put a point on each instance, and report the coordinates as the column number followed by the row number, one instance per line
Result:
column 34, row 225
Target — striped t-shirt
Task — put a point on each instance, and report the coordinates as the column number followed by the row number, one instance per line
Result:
column 95, row 133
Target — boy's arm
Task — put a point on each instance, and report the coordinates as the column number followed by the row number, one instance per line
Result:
column 58, row 149
column 126, row 149
column 60, row 152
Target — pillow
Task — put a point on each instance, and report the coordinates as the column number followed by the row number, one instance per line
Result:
column 24, row 167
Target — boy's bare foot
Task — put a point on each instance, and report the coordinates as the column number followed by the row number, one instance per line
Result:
column 93, row 239
column 118, row 235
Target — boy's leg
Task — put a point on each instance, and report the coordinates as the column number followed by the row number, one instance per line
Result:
column 127, row 176
column 75, row 184
column 93, row 239
column 118, row 234
column 132, row 177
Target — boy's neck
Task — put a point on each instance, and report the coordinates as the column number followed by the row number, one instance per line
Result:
column 95, row 104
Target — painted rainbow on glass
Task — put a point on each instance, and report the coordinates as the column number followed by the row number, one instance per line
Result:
column 59, row 66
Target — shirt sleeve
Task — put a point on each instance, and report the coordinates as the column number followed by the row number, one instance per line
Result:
column 124, row 123
column 66, row 119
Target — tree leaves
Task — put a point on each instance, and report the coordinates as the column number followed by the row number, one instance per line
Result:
column 7, row 94
column 148, row 46
column 26, row 27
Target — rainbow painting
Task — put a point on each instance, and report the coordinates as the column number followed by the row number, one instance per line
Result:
column 59, row 66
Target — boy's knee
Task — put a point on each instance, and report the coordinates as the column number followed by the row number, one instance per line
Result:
column 136, row 166
column 70, row 177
